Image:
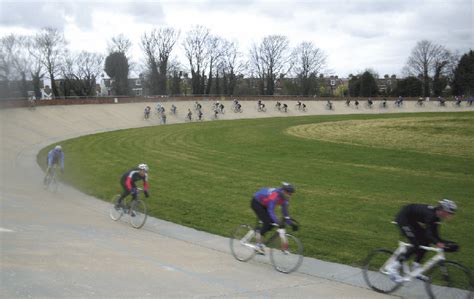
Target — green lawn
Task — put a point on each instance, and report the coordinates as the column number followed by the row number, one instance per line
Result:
column 352, row 173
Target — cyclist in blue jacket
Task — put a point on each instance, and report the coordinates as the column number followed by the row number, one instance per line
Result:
column 264, row 202
column 55, row 157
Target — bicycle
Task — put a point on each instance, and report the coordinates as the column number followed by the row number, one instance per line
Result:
column 261, row 108
column 286, row 251
column 51, row 179
column 330, row 106
column 445, row 279
column 135, row 209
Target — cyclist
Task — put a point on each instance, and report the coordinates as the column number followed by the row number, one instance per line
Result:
column 147, row 112
column 370, row 103
column 419, row 224
column 128, row 181
column 55, row 158
column 329, row 104
column 298, row 105
column 264, row 202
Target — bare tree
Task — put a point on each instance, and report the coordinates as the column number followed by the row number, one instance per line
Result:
column 426, row 60
column 215, row 52
column 37, row 69
column 89, row 68
column 196, row 51
column 80, row 72
column 52, row 46
column 308, row 62
column 16, row 62
column 230, row 66
column 119, row 43
column 257, row 67
column 271, row 59
column 158, row 45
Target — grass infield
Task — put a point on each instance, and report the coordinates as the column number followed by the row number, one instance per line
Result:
column 352, row 173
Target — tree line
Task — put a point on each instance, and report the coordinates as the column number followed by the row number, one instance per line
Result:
column 214, row 65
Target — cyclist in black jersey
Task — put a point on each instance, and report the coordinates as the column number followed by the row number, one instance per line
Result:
column 419, row 224
column 128, row 183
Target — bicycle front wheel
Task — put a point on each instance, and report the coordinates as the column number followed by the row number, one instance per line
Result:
column 242, row 243
column 137, row 213
column 286, row 259
column 115, row 213
column 54, row 184
column 450, row 280
column 375, row 274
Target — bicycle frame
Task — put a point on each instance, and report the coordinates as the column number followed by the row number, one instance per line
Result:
column 281, row 232
column 409, row 275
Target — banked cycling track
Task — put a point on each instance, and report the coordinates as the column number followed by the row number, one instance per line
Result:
column 64, row 245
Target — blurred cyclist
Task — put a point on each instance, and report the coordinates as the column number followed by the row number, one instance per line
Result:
column 419, row 224
column 264, row 202
column 128, row 183
column 55, row 158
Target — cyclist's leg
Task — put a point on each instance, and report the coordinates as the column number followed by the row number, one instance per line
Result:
column 124, row 194
column 415, row 235
column 48, row 170
column 262, row 215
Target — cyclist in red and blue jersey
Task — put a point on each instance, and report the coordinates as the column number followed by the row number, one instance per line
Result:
column 265, row 201
column 128, row 181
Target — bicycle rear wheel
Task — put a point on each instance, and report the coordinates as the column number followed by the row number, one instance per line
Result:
column 286, row 260
column 450, row 280
column 242, row 243
column 375, row 274
column 137, row 213
column 115, row 214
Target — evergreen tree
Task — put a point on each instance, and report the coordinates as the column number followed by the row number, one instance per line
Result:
column 463, row 83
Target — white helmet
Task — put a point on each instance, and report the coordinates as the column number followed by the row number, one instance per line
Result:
column 58, row 148
column 143, row 167
column 448, row 206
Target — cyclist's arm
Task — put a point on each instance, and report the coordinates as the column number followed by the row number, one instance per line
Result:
column 145, row 183
column 50, row 159
column 129, row 183
column 62, row 160
column 271, row 211
column 286, row 215
column 432, row 233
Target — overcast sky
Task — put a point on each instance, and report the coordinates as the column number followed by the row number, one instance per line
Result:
column 354, row 34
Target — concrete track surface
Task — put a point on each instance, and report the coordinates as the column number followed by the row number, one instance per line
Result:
column 64, row 245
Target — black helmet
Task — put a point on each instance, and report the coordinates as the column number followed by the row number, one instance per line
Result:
column 288, row 187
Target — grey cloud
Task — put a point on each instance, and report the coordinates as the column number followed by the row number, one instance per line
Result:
column 31, row 15
column 38, row 14
column 146, row 12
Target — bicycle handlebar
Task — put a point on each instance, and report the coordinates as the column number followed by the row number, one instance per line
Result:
column 428, row 248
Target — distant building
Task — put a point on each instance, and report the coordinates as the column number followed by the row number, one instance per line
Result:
column 387, row 84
